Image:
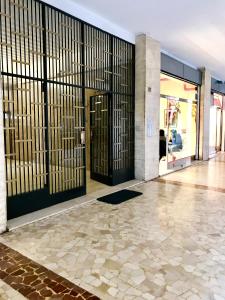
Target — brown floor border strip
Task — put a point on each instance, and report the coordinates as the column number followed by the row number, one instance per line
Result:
column 218, row 161
column 193, row 185
column 35, row 281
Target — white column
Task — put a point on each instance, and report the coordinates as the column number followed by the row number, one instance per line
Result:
column 3, row 217
column 147, row 107
column 223, row 126
column 205, row 99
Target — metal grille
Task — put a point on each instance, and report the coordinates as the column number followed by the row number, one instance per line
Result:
column 122, row 67
column 24, row 127
column 66, row 123
column 123, row 132
column 64, row 47
column 65, row 103
column 21, row 38
column 97, row 58
column 48, row 58
column 123, row 111
column 99, row 110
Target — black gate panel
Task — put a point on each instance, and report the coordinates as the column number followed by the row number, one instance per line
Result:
column 97, row 58
column 25, row 129
column 123, row 111
column 66, row 151
column 100, row 138
column 64, row 44
column 21, row 34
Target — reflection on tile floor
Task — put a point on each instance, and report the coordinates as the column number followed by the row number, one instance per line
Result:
column 167, row 244
column 210, row 173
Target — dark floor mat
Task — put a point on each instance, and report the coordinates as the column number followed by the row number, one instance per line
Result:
column 119, row 197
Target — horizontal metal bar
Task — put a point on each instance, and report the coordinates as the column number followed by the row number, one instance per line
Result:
column 6, row 44
column 39, row 151
column 68, row 138
column 53, row 57
column 67, row 50
column 22, row 115
column 123, row 67
column 8, row 101
column 36, row 26
column 55, row 150
column 23, row 141
column 10, row 154
column 5, row 15
column 68, row 95
column 25, row 165
column 26, row 36
column 18, row 5
column 78, row 42
column 36, row 103
column 40, row 175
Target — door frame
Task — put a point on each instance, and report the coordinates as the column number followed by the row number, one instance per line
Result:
column 94, row 175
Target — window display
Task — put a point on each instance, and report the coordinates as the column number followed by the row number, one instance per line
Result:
column 215, row 131
column 178, row 119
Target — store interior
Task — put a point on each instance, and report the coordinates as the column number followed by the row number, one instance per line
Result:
column 216, row 120
column 178, row 122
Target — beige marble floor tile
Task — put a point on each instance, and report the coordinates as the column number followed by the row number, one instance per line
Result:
column 167, row 244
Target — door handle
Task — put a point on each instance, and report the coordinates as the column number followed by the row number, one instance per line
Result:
column 82, row 137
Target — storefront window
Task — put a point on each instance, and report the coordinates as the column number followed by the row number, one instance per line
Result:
column 178, row 120
column 215, row 132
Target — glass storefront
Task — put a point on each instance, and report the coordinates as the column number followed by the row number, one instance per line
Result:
column 178, row 122
column 215, row 132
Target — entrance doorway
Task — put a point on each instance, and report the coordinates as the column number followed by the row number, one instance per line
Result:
column 97, row 139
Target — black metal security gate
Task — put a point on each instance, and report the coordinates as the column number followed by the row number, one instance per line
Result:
column 100, row 137
column 48, row 58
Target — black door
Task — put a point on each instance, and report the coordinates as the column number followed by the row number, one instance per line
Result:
column 100, row 138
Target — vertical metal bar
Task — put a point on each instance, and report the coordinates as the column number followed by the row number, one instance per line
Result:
column 83, row 151
column 45, row 91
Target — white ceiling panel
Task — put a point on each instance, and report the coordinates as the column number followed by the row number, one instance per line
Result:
column 193, row 31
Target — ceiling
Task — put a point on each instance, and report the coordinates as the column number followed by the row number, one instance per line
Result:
column 192, row 31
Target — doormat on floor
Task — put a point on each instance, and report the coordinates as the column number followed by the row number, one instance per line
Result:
column 119, row 197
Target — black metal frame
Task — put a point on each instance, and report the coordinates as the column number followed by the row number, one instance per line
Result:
column 103, row 177
column 107, row 58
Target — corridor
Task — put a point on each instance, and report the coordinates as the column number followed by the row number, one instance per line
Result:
column 167, row 244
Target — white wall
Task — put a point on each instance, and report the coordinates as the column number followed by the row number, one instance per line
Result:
column 86, row 15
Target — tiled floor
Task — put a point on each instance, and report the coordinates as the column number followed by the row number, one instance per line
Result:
column 167, row 244
column 35, row 281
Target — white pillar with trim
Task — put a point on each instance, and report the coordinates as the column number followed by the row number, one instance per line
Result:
column 147, row 107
